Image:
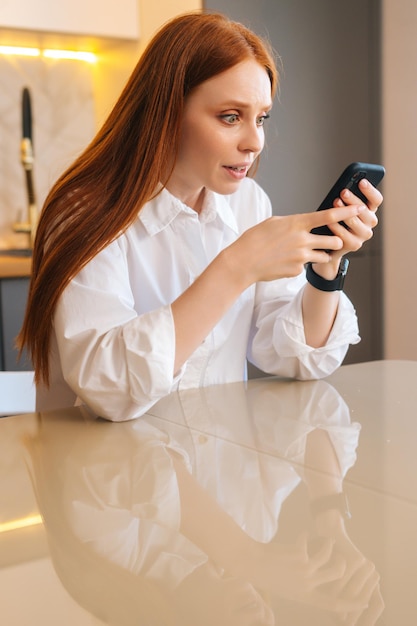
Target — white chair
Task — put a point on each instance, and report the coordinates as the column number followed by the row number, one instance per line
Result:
column 17, row 393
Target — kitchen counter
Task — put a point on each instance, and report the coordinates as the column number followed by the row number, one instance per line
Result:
column 270, row 502
column 15, row 266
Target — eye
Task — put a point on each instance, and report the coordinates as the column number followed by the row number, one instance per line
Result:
column 230, row 118
column 261, row 120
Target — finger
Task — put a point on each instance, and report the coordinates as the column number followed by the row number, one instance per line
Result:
column 358, row 582
column 341, row 605
column 371, row 193
column 362, row 584
column 323, row 247
column 365, row 225
column 374, row 610
column 333, row 215
column 356, row 229
column 358, row 223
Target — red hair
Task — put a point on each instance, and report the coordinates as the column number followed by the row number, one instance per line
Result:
column 101, row 193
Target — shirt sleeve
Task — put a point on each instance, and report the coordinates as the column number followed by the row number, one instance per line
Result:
column 278, row 344
column 119, row 363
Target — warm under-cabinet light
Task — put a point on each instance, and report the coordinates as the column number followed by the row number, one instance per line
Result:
column 18, row 50
column 24, row 522
column 75, row 55
column 89, row 57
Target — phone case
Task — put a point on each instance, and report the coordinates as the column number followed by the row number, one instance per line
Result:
column 349, row 179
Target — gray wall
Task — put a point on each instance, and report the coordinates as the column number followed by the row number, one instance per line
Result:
column 327, row 115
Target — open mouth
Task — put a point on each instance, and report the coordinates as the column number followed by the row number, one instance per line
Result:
column 238, row 171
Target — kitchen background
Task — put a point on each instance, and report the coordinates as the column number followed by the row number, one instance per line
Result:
column 63, row 120
column 348, row 81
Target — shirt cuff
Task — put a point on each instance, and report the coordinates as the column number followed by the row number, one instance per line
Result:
column 289, row 337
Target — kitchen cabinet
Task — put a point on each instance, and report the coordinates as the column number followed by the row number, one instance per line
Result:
column 13, row 296
column 100, row 18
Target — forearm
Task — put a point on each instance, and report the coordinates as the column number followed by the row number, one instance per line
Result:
column 320, row 307
column 208, row 525
column 323, row 474
column 204, row 303
column 319, row 313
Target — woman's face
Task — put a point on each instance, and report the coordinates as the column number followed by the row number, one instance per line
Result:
column 222, row 132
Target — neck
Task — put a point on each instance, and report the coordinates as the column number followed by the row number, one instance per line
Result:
column 193, row 200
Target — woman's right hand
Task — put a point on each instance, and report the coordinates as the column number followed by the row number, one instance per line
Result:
column 280, row 246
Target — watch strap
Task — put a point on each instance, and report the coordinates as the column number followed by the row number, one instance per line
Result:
column 335, row 501
column 328, row 285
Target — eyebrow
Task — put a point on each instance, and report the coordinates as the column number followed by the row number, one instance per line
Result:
column 235, row 104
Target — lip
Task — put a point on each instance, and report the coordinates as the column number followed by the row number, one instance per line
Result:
column 238, row 170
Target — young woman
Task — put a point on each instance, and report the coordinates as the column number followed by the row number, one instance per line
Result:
column 157, row 263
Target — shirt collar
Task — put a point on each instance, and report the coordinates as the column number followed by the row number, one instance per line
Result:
column 159, row 212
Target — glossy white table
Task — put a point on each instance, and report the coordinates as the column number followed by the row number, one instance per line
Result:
column 274, row 502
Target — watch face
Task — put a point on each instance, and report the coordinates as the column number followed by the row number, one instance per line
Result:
column 343, row 268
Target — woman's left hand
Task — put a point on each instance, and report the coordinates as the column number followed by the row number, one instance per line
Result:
column 318, row 314
column 359, row 228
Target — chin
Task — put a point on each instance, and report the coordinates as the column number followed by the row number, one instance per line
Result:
column 225, row 189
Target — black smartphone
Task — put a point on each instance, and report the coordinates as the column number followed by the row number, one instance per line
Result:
column 349, row 179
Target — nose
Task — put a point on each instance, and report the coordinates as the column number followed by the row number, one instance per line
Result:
column 252, row 139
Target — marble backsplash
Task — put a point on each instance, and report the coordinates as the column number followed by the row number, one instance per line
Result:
column 62, row 121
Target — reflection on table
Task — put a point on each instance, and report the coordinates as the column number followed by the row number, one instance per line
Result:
column 222, row 506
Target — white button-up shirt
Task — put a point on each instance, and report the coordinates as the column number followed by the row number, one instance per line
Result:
column 114, row 338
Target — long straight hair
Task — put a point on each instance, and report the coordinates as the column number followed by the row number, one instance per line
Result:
column 99, row 196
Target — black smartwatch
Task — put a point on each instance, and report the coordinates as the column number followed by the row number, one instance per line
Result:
column 328, row 285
